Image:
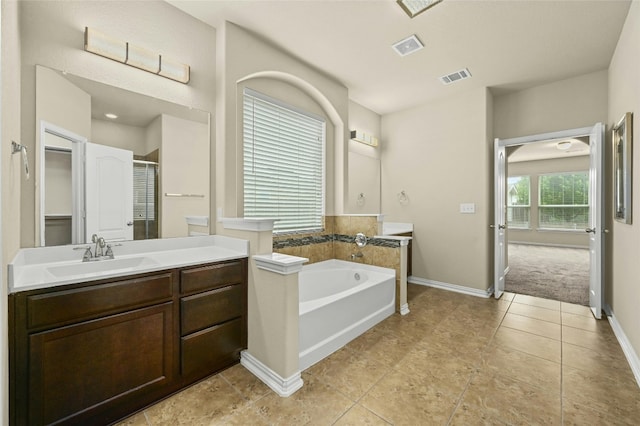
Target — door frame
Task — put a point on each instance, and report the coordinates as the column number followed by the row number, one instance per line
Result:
column 500, row 144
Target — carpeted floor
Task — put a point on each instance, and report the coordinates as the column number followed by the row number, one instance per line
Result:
column 550, row 272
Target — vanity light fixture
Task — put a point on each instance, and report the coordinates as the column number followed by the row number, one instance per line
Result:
column 365, row 138
column 416, row 7
column 135, row 56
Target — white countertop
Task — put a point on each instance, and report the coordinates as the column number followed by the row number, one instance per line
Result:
column 44, row 267
column 395, row 228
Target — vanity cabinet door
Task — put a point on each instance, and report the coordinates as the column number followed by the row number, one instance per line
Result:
column 97, row 371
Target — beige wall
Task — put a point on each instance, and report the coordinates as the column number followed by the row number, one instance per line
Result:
column 363, row 163
column 566, row 104
column 262, row 60
column 438, row 153
column 52, row 35
column 59, row 103
column 534, row 169
column 123, row 136
column 623, row 291
column 11, row 170
column 184, row 169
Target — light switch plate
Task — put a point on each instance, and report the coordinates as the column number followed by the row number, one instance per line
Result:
column 468, row 208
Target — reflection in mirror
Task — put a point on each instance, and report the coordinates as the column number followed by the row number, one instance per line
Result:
column 143, row 174
column 622, row 164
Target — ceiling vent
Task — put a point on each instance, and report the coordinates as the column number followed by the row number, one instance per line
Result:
column 408, row 45
column 456, row 76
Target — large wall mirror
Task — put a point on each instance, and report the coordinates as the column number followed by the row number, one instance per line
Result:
column 622, row 167
column 118, row 164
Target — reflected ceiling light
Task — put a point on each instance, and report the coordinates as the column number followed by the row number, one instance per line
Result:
column 135, row 56
column 415, row 7
column 111, row 115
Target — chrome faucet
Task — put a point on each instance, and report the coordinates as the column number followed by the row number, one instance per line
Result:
column 98, row 251
column 356, row 255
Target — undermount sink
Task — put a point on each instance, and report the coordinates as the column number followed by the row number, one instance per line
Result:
column 100, row 266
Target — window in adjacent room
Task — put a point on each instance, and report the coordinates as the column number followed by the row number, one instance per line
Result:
column 518, row 202
column 564, row 201
column 283, row 151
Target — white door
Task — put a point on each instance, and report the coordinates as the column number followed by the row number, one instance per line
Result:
column 596, row 219
column 500, row 219
column 108, row 192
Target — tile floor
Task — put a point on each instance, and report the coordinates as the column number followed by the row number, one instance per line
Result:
column 454, row 360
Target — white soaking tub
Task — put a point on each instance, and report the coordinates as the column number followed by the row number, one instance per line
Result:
column 339, row 301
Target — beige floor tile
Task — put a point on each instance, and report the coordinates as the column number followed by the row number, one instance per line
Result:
column 243, row 381
column 507, row 296
column 351, row 373
column 389, row 349
column 513, row 401
column 316, row 402
column 249, row 415
column 522, row 366
column 135, row 420
column 468, row 414
column 536, row 312
column 618, row 397
column 574, row 414
column 537, row 301
column 407, row 400
column 200, row 404
column 585, row 323
column 607, row 362
column 539, row 346
column 468, row 347
column 532, row 325
column 596, row 341
column 572, row 308
column 446, row 371
column 360, row 416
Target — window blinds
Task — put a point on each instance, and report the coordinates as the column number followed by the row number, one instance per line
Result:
column 283, row 151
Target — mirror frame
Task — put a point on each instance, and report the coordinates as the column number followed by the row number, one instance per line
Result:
column 622, row 142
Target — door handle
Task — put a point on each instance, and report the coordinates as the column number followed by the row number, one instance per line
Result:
column 590, row 230
column 130, row 223
column 499, row 226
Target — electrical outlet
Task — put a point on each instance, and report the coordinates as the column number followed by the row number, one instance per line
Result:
column 468, row 208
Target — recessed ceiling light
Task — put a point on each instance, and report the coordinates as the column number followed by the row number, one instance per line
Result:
column 408, row 45
column 563, row 145
column 111, row 115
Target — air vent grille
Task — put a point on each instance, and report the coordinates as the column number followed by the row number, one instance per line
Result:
column 456, row 76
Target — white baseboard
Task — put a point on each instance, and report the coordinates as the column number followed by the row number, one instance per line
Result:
column 629, row 352
column 280, row 385
column 404, row 309
column 451, row 287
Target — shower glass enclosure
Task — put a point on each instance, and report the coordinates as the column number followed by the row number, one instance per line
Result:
column 145, row 200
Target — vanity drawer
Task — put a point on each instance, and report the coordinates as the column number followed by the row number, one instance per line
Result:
column 69, row 306
column 211, row 349
column 212, row 307
column 208, row 277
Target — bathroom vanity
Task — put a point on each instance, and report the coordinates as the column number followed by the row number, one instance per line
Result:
column 91, row 347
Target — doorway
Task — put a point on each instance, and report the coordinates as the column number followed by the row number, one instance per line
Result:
column 551, row 214
column 547, row 214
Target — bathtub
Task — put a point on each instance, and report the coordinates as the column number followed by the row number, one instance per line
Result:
column 339, row 301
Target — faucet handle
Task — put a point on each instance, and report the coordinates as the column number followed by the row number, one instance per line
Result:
column 109, row 252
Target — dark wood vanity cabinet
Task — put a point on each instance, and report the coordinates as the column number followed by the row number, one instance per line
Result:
column 96, row 352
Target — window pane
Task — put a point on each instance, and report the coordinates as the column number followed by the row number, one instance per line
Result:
column 518, row 201
column 283, row 156
column 564, row 200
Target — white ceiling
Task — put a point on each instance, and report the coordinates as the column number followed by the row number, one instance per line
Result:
column 507, row 44
column 546, row 150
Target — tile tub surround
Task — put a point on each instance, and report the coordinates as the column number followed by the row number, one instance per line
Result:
column 453, row 361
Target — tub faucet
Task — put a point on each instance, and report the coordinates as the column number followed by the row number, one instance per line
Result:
column 356, row 255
